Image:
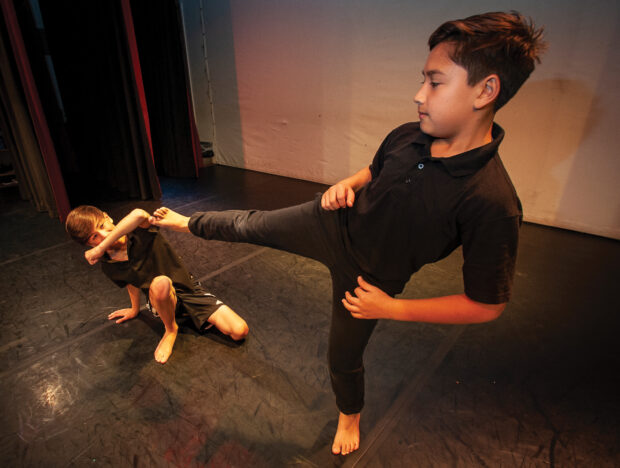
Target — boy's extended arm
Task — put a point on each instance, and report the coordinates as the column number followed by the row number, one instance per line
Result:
column 126, row 314
column 137, row 218
column 370, row 302
column 342, row 194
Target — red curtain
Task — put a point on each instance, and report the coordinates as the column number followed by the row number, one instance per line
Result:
column 37, row 113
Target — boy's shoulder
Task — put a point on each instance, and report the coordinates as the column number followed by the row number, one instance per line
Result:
column 151, row 230
column 145, row 235
column 142, row 241
column 491, row 193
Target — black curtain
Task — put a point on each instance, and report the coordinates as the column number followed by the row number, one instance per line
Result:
column 161, row 47
column 93, row 63
column 19, row 134
column 109, row 154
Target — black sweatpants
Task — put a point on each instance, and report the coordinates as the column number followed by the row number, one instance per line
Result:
column 310, row 231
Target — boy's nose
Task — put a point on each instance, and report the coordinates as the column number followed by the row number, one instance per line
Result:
column 419, row 96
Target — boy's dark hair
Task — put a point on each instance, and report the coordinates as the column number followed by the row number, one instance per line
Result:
column 507, row 44
column 82, row 221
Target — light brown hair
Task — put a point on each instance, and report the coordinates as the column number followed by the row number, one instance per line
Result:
column 82, row 222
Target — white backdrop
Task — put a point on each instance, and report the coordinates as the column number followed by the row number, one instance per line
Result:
column 309, row 88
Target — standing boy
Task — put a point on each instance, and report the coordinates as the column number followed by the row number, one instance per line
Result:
column 433, row 185
column 136, row 256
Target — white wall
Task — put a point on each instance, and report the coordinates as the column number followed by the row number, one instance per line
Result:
column 309, row 88
column 193, row 24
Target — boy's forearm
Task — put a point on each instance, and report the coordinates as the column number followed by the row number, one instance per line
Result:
column 370, row 302
column 358, row 180
column 457, row 309
column 126, row 225
column 134, row 297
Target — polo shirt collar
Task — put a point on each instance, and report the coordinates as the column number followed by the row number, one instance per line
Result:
column 470, row 161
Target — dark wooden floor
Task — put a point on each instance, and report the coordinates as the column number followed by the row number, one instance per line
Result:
column 537, row 387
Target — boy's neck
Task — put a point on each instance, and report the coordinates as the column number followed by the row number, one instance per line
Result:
column 118, row 255
column 118, row 250
column 479, row 136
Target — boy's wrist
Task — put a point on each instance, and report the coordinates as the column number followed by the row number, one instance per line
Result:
column 99, row 251
column 395, row 309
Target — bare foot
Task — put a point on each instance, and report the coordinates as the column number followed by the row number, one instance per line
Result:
column 167, row 218
column 164, row 348
column 347, row 438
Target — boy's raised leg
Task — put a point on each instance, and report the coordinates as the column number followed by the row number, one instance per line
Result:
column 164, row 299
column 167, row 218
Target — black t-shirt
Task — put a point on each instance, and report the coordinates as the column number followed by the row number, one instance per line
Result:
column 150, row 255
column 417, row 209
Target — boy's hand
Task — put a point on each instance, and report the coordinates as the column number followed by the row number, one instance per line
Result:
column 369, row 302
column 165, row 217
column 93, row 255
column 124, row 314
column 338, row 196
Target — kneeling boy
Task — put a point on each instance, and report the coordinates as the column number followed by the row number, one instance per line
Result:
column 135, row 255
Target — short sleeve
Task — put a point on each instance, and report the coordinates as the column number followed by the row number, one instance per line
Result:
column 112, row 272
column 377, row 162
column 490, row 252
column 142, row 233
column 139, row 244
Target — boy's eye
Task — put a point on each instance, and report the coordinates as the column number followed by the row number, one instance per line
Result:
column 432, row 83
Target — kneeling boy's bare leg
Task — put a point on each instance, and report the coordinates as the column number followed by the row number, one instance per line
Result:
column 167, row 218
column 228, row 322
column 163, row 297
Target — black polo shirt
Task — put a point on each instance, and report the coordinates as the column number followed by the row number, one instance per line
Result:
column 417, row 209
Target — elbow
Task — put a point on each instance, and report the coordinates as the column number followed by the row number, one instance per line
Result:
column 140, row 215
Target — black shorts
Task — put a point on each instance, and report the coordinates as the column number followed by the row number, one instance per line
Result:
column 197, row 304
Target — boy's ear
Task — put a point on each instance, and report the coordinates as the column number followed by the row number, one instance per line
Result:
column 489, row 90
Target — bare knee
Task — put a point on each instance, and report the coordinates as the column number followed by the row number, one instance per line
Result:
column 160, row 288
column 239, row 330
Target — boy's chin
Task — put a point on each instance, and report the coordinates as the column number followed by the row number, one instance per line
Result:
column 427, row 129
column 119, row 244
column 432, row 130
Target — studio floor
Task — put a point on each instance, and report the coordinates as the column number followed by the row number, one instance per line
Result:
column 537, row 387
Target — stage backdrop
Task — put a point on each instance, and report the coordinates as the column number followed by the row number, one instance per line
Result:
column 309, row 88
